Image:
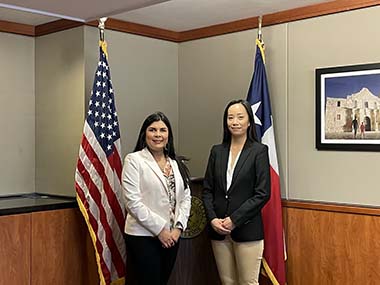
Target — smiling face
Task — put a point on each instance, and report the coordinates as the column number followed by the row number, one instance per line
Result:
column 237, row 120
column 156, row 136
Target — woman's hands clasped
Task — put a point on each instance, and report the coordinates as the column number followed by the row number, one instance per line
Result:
column 223, row 226
column 169, row 238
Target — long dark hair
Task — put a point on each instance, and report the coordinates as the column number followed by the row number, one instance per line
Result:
column 169, row 149
column 251, row 131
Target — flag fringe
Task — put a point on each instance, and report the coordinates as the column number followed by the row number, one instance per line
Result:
column 120, row 281
column 269, row 273
column 103, row 45
column 93, row 238
column 262, row 49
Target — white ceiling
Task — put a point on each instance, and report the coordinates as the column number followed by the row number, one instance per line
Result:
column 174, row 15
column 182, row 15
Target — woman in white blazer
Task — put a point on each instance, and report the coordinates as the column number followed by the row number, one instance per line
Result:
column 157, row 196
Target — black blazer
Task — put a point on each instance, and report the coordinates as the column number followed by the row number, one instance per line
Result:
column 248, row 193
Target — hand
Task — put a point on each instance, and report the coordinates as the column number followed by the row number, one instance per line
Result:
column 217, row 225
column 175, row 234
column 228, row 224
column 165, row 238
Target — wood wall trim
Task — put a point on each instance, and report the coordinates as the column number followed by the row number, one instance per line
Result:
column 16, row 28
column 311, row 11
column 221, row 29
column 139, row 29
column 317, row 10
column 332, row 207
column 56, row 26
column 278, row 18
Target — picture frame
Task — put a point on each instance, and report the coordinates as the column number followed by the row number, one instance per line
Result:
column 348, row 108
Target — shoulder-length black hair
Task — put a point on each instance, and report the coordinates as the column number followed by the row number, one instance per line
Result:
column 251, row 131
column 169, row 149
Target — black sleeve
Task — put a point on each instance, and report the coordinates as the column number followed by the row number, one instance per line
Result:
column 208, row 187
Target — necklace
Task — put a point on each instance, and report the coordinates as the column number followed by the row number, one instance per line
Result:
column 163, row 163
column 167, row 168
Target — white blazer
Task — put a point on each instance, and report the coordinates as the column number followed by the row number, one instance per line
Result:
column 146, row 195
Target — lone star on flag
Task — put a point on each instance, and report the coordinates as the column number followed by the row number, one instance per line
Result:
column 255, row 107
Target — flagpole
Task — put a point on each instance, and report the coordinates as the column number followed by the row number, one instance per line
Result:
column 259, row 32
column 101, row 27
column 97, row 176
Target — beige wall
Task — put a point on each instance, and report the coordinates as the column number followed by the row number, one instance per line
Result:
column 16, row 114
column 144, row 74
column 191, row 82
column 341, row 39
column 59, row 109
column 215, row 70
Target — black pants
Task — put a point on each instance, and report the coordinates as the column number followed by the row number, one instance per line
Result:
column 152, row 262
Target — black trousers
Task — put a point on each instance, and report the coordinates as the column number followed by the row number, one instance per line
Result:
column 152, row 262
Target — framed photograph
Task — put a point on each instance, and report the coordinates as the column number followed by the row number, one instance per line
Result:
column 348, row 108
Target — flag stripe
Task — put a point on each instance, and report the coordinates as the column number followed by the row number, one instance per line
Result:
column 94, row 226
column 103, row 170
column 274, row 230
column 117, row 233
column 94, row 192
column 116, row 159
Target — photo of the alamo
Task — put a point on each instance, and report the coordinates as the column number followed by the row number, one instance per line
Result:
column 341, row 113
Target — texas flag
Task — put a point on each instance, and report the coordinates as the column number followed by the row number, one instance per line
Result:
column 258, row 96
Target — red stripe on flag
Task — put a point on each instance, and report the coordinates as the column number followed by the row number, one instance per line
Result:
column 111, row 197
column 273, row 230
column 116, row 163
column 96, row 196
column 94, row 225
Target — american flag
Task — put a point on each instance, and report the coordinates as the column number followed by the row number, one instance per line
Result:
column 98, row 176
column 258, row 96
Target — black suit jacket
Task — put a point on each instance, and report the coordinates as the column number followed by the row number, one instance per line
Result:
column 248, row 193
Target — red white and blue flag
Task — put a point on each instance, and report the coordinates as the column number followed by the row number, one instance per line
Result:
column 274, row 247
column 98, row 176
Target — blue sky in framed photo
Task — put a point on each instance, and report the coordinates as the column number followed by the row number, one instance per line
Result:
column 342, row 86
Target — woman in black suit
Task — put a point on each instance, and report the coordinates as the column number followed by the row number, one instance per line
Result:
column 236, row 187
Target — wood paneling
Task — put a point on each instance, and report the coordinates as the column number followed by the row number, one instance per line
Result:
column 16, row 28
column 326, row 244
column 59, row 251
column 56, row 26
column 329, row 247
column 91, row 275
column 15, row 249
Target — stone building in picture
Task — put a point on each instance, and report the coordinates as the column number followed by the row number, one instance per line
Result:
column 340, row 112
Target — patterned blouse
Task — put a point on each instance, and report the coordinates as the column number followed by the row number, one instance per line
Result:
column 170, row 182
